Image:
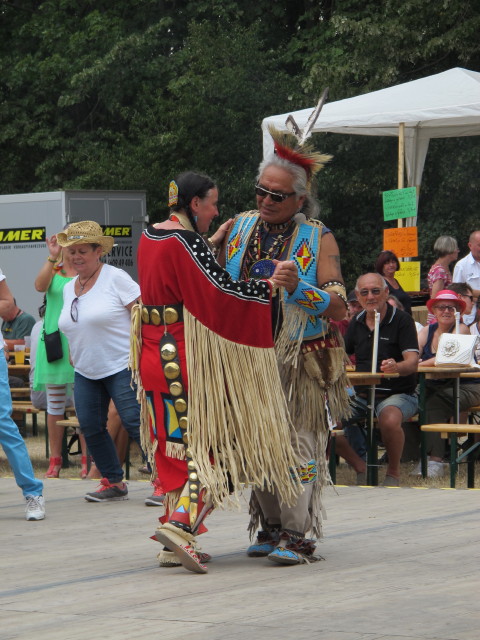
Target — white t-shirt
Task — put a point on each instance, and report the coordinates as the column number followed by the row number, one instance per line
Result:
column 468, row 270
column 100, row 339
column 474, row 331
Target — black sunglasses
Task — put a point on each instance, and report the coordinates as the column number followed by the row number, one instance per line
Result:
column 74, row 310
column 276, row 196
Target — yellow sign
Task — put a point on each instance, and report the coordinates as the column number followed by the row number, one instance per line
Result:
column 125, row 231
column 26, row 234
column 403, row 241
column 409, row 276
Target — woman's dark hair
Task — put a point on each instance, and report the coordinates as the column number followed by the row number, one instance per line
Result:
column 190, row 185
column 383, row 258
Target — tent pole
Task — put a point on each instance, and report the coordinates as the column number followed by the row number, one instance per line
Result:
column 401, row 161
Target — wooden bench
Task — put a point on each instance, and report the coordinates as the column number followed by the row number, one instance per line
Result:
column 25, row 407
column 454, row 431
column 20, row 392
column 72, row 422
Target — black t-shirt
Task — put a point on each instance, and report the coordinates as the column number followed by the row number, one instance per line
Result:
column 397, row 333
column 402, row 296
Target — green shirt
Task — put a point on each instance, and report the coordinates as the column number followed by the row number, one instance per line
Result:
column 19, row 327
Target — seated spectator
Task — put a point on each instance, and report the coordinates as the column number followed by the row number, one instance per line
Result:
column 344, row 450
column 16, row 325
column 395, row 400
column 353, row 304
column 475, row 329
column 465, row 292
column 395, row 302
column 439, row 393
column 353, row 307
column 387, row 265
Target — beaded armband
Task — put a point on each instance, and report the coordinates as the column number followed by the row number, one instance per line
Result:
column 312, row 300
column 334, row 286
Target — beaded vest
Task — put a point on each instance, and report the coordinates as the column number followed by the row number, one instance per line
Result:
column 303, row 250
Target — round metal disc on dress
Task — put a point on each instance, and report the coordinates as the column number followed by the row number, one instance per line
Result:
column 176, row 389
column 185, row 439
column 262, row 269
column 193, row 486
column 172, row 370
column 168, row 351
column 180, row 405
column 192, row 476
column 183, row 422
column 191, row 465
column 155, row 317
column 170, row 315
column 194, row 496
column 145, row 316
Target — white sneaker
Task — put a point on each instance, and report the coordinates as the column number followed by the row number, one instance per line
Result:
column 435, row 469
column 417, row 471
column 35, row 509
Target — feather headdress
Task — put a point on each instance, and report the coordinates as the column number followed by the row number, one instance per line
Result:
column 287, row 147
column 293, row 146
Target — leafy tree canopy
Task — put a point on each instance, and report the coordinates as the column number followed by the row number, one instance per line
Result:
column 124, row 95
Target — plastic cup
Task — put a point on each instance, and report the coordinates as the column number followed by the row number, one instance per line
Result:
column 28, row 342
column 19, row 353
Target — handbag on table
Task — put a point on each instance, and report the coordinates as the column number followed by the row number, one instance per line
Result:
column 456, row 350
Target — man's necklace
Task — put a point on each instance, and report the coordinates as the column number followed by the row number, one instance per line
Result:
column 264, row 247
column 84, row 284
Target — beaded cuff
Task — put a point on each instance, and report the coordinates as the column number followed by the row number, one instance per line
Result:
column 310, row 299
column 334, row 286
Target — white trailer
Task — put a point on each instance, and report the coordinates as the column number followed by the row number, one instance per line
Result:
column 27, row 219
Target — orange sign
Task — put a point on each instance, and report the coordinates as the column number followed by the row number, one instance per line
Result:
column 403, row 241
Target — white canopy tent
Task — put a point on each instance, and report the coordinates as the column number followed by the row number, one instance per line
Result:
column 439, row 106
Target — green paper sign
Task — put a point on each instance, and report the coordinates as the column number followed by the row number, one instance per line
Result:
column 400, row 203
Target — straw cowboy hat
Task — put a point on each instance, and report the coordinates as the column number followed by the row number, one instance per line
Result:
column 85, row 232
column 445, row 295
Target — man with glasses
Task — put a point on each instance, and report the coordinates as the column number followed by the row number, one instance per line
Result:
column 468, row 270
column 311, row 360
column 395, row 399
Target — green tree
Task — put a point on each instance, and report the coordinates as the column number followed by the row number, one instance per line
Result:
column 124, row 95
